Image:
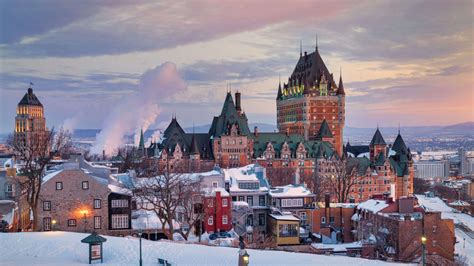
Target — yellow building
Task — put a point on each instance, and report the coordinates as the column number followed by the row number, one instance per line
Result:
column 285, row 228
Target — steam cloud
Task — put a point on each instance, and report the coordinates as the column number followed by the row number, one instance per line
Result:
column 140, row 110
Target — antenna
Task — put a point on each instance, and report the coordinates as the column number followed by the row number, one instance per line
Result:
column 301, row 48
column 316, row 41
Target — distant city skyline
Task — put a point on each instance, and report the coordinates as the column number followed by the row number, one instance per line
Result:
column 140, row 62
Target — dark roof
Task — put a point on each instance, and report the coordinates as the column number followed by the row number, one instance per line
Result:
column 310, row 68
column 340, row 88
column 280, row 94
column 324, row 131
column 399, row 145
column 229, row 116
column 30, row 99
column 141, row 144
column 377, row 139
column 194, row 149
column 94, row 238
column 356, row 150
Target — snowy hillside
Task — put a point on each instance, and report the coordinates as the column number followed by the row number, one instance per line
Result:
column 63, row 248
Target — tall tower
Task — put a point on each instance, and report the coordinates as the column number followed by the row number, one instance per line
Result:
column 30, row 123
column 309, row 97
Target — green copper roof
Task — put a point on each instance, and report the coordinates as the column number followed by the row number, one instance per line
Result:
column 380, row 159
column 229, row 116
column 324, row 131
column 94, row 238
column 399, row 145
column 141, row 145
column 377, row 139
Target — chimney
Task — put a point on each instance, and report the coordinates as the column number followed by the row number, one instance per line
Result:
column 305, row 54
column 103, row 155
column 255, row 130
column 327, row 200
column 237, row 102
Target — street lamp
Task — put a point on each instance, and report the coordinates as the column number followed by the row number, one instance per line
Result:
column 140, row 236
column 245, row 257
column 84, row 214
column 423, row 245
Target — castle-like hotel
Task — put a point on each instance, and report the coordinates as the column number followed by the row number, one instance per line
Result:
column 310, row 119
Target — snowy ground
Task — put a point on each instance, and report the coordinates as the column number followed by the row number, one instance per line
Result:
column 64, row 248
column 465, row 245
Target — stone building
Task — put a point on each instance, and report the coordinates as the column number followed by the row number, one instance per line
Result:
column 74, row 200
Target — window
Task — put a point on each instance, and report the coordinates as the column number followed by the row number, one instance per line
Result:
column 120, row 203
column 8, row 188
column 210, row 220
column 59, row 185
column 287, row 230
column 292, row 202
column 261, row 219
column 261, row 200
column 241, row 198
column 331, row 219
column 119, row 221
column 210, row 203
column 85, row 184
column 46, row 205
column 214, row 184
column 97, row 204
column 323, row 220
column 225, row 203
column 224, row 219
column 71, row 222
column 47, row 224
column 97, row 222
column 250, row 220
column 250, row 200
column 234, row 198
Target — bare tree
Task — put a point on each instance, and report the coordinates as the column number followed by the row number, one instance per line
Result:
column 167, row 195
column 190, row 208
column 34, row 155
column 340, row 176
column 281, row 176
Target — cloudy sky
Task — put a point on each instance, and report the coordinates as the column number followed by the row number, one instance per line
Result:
column 408, row 62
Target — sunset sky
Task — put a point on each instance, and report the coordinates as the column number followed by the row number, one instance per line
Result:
column 408, row 62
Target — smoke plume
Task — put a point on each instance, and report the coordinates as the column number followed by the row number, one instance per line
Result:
column 138, row 111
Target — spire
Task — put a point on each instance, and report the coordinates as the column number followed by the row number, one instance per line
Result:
column 340, row 88
column 194, row 149
column 399, row 145
column 316, row 42
column 301, row 48
column 141, row 144
column 377, row 139
column 280, row 94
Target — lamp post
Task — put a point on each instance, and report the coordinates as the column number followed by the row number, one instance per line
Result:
column 54, row 222
column 244, row 257
column 140, row 241
column 84, row 218
column 423, row 245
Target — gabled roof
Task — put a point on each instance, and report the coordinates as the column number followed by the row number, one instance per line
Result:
column 399, row 145
column 30, row 99
column 229, row 116
column 377, row 139
column 324, row 131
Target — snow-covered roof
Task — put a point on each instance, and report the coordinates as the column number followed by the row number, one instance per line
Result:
column 372, row 205
column 240, row 204
column 49, row 176
column 119, row 190
column 246, row 174
column 338, row 247
column 211, row 192
column 286, row 217
column 290, row 191
column 459, row 203
column 146, row 220
column 355, row 217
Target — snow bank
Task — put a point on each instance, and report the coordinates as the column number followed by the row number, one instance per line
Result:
column 64, row 248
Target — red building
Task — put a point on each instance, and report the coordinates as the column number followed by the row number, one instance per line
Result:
column 217, row 211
